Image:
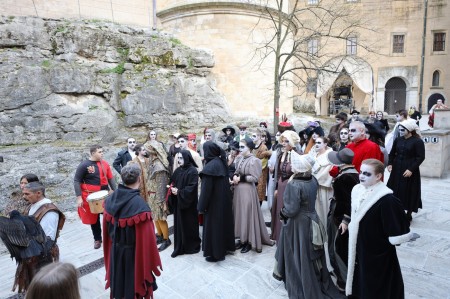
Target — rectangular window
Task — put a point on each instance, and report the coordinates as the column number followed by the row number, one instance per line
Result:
column 351, row 45
column 439, row 41
column 313, row 46
column 311, row 85
column 313, row 2
column 398, row 43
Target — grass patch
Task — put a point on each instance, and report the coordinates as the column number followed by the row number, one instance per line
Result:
column 46, row 63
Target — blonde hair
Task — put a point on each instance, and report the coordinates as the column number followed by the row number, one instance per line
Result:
column 377, row 165
column 54, row 281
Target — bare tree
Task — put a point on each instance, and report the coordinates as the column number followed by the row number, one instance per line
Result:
column 305, row 37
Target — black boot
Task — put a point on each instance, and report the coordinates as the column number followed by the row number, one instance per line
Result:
column 239, row 245
column 246, row 248
column 164, row 245
column 159, row 239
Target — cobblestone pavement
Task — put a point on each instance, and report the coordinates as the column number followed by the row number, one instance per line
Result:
column 425, row 263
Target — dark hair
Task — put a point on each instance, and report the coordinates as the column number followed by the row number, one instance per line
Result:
column 248, row 142
column 325, row 139
column 137, row 148
column 35, row 187
column 403, row 113
column 382, row 113
column 130, row 174
column 30, row 177
column 94, row 148
column 184, row 136
column 342, row 115
column 54, row 281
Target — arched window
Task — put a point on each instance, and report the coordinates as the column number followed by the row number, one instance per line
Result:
column 436, row 77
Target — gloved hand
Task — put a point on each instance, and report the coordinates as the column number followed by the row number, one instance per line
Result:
column 414, row 237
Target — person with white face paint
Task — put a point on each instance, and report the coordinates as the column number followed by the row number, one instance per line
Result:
column 125, row 155
column 321, row 171
column 249, row 225
column 290, row 142
column 407, row 153
column 343, row 139
column 183, row 142
column 361, row 146
column 384, row 122
column 271, row 165
column 378, row 223
column 184, row 200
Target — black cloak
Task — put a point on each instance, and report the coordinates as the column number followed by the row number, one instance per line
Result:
column 129, row 245
column 186, row 231
column 407, row 154
column 216, row 204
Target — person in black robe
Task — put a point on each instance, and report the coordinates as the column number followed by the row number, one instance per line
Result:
column 184, row 200
column 129, row 244
column 377, row 226
column 408, row 152
column 215, row 203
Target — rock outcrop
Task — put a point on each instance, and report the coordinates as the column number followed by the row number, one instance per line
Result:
column 90, row 80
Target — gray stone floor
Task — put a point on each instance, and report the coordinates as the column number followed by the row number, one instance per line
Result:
column 425, row 263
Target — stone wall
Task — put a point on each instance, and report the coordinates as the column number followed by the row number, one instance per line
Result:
column 87, row 81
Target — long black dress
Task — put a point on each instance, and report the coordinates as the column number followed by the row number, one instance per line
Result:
column 186, row 234
column 300, row 253
column 407, row 154
column 215, row 203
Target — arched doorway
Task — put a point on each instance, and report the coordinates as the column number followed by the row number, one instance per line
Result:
column 394, row 95
column 433, row 100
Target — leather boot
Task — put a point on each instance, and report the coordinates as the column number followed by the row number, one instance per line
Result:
column 164, row 245
column 246, row 248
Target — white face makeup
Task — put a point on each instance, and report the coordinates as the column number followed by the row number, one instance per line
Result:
column 143, row 152
column 256, row 137
column 367, row 176
column 242, row 131
column 131, row 143
column 182, row 142
column 208, row 136
column 244, row 149
column 180, row 160
column 343, row 135
column 314, row 136
column 402, row 131
column 356, row 134
column 286, row 145
column 320, row 145
column 355, row 116
column 152, row 135
column 379, row 115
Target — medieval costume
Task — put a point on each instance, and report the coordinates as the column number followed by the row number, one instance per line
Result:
column 407, row 154
column 215, row 203
column 249, row 226
column 321, row 171
column 261, row 152
column 92, row 176
column 378, row 224
column 186, row 234
column 158, row 175
column 144, row 186
column 300, row 256
column 131, row 258
column 282, row 173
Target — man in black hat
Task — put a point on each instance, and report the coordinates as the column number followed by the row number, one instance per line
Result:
column 355, row 116
column 340, row 212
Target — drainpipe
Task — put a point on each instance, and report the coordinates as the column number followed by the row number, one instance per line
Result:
column 154, row 15
column 422, row 66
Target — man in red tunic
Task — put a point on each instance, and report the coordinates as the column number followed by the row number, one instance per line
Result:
column 131, row 258
column 361, row 146
column 92, row 175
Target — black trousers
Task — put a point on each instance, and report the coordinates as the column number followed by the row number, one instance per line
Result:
column 97, row 229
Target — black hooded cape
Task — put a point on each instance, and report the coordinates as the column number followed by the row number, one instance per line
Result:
column 186, row 231
column 216, row 204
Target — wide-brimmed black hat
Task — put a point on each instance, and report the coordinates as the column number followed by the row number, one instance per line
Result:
column 376, row 130
column 344, row 156
column 233, row 146
column 233, row 131
column 354, row 111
